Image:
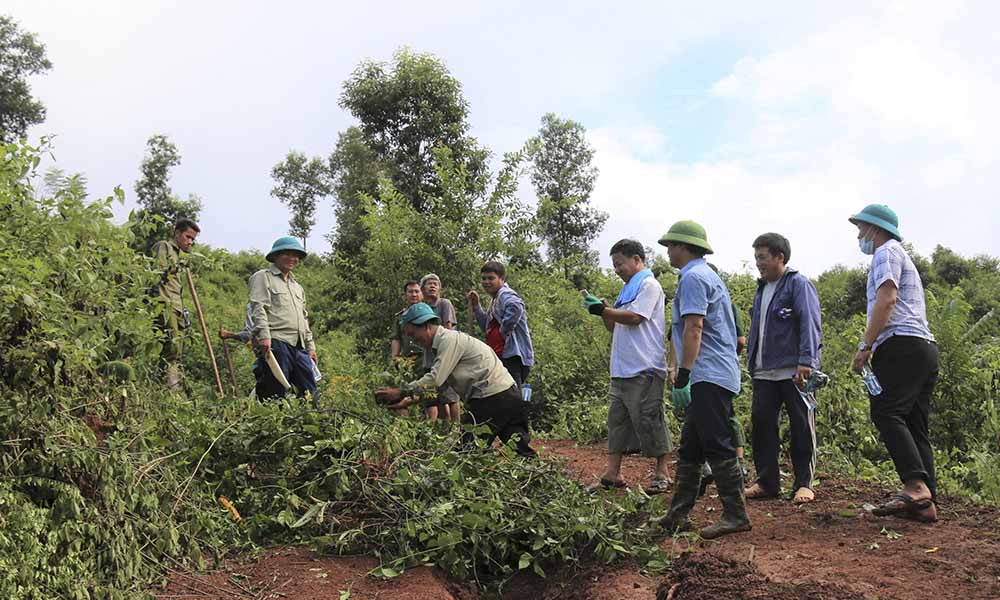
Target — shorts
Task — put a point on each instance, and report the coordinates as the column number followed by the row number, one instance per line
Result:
column 637, row 406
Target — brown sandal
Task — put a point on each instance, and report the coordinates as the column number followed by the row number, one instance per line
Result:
column 756, row 492
column 803, row 495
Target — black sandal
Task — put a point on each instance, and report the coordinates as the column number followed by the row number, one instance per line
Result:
column 902, row 503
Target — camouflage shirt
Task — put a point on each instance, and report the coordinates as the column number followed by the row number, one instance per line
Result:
column 168, row 256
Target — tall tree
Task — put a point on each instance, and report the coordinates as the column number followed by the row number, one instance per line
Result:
column 159, row 207
column 299, row 182
column 564, row 177
column 21, row 56
column 355, row 170
column 406, row 110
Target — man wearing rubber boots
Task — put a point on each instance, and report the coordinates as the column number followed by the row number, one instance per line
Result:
column 704, row 337
column 784, row 349
column 287, row 352
column 904, row 358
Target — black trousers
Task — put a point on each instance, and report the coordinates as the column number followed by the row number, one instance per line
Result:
column 907, row 369
column 516, row 369
column 506, row 416
column 765, row 416
column 706, row 433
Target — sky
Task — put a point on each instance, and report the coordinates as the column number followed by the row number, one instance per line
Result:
column 744, row 116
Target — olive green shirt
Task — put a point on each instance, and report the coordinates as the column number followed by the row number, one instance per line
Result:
column 408, row 347
column 464, row 363
column 278, row 309
column 168, row 257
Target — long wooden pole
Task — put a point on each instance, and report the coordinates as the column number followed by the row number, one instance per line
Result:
column 204, row 332
column 229, row 363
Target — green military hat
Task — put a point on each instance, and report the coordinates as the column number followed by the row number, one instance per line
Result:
column 418, row 314
column 687, row 232
column 286, row 243
column 881, row 216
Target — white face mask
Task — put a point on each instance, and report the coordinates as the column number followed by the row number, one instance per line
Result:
column 867, row 245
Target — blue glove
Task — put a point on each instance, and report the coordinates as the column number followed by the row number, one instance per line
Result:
column 594, row 305
column 681, row 397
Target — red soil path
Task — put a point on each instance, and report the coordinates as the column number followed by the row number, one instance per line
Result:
column 830, row 549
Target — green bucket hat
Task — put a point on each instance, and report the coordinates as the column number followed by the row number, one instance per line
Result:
column 418, row 314
column 687, row 232
column 286, row 243
column 879, row 215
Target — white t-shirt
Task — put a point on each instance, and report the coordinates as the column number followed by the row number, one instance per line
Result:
column 637, row 349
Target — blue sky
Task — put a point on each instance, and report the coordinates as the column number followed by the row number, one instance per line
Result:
column 748, row 117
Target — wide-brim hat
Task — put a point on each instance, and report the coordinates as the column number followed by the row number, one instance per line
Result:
column 687, row 232
column 418, row 314
column 880, row 216
column 286, row 243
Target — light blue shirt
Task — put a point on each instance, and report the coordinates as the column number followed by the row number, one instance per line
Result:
column 701, row 292
column 892, row 263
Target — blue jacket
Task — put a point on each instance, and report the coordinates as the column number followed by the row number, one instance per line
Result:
column 792, row 325
column 509, row 311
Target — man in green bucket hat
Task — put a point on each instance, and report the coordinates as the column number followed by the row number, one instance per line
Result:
column 903, row 358
column 281, row 323
column 708, row 377
column 474, row 370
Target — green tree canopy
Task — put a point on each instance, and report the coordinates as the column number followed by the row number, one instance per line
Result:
column 159, row 207
column 21, row 56
column 299, row 183
column 563, row 176
column 406, row 109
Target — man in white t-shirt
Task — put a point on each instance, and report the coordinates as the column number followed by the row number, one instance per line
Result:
column 637, row 324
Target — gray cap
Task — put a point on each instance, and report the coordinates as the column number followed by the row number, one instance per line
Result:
column 428, row 277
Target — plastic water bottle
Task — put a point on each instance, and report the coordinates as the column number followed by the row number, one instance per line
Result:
column 871, row 382
column 526, row 392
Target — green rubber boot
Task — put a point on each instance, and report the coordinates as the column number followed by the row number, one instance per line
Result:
column 685, row 495
column 729, row 482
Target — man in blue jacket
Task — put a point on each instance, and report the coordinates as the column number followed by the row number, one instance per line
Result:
column 783, row 351
column 505, row 323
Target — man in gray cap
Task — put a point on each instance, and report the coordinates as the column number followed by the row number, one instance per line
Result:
column 903, row 366
column 281, row 323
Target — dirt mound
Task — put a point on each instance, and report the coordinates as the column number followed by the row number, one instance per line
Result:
column 704, row 576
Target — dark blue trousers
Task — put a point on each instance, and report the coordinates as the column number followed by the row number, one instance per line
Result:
column 295, row 364
column 707, row 434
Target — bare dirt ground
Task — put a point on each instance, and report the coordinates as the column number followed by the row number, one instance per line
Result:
column 831, row 549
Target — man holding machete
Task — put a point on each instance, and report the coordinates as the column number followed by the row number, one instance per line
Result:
column 287, row 352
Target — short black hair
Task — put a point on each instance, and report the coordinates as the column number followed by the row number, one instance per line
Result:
column 628, row 248
column 410, row 282
column 775, row 243
column 184, row 223
column 495, row 266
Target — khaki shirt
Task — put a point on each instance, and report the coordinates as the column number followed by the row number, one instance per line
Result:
column 168, row 256
column 464, row 363
column 278, row 309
